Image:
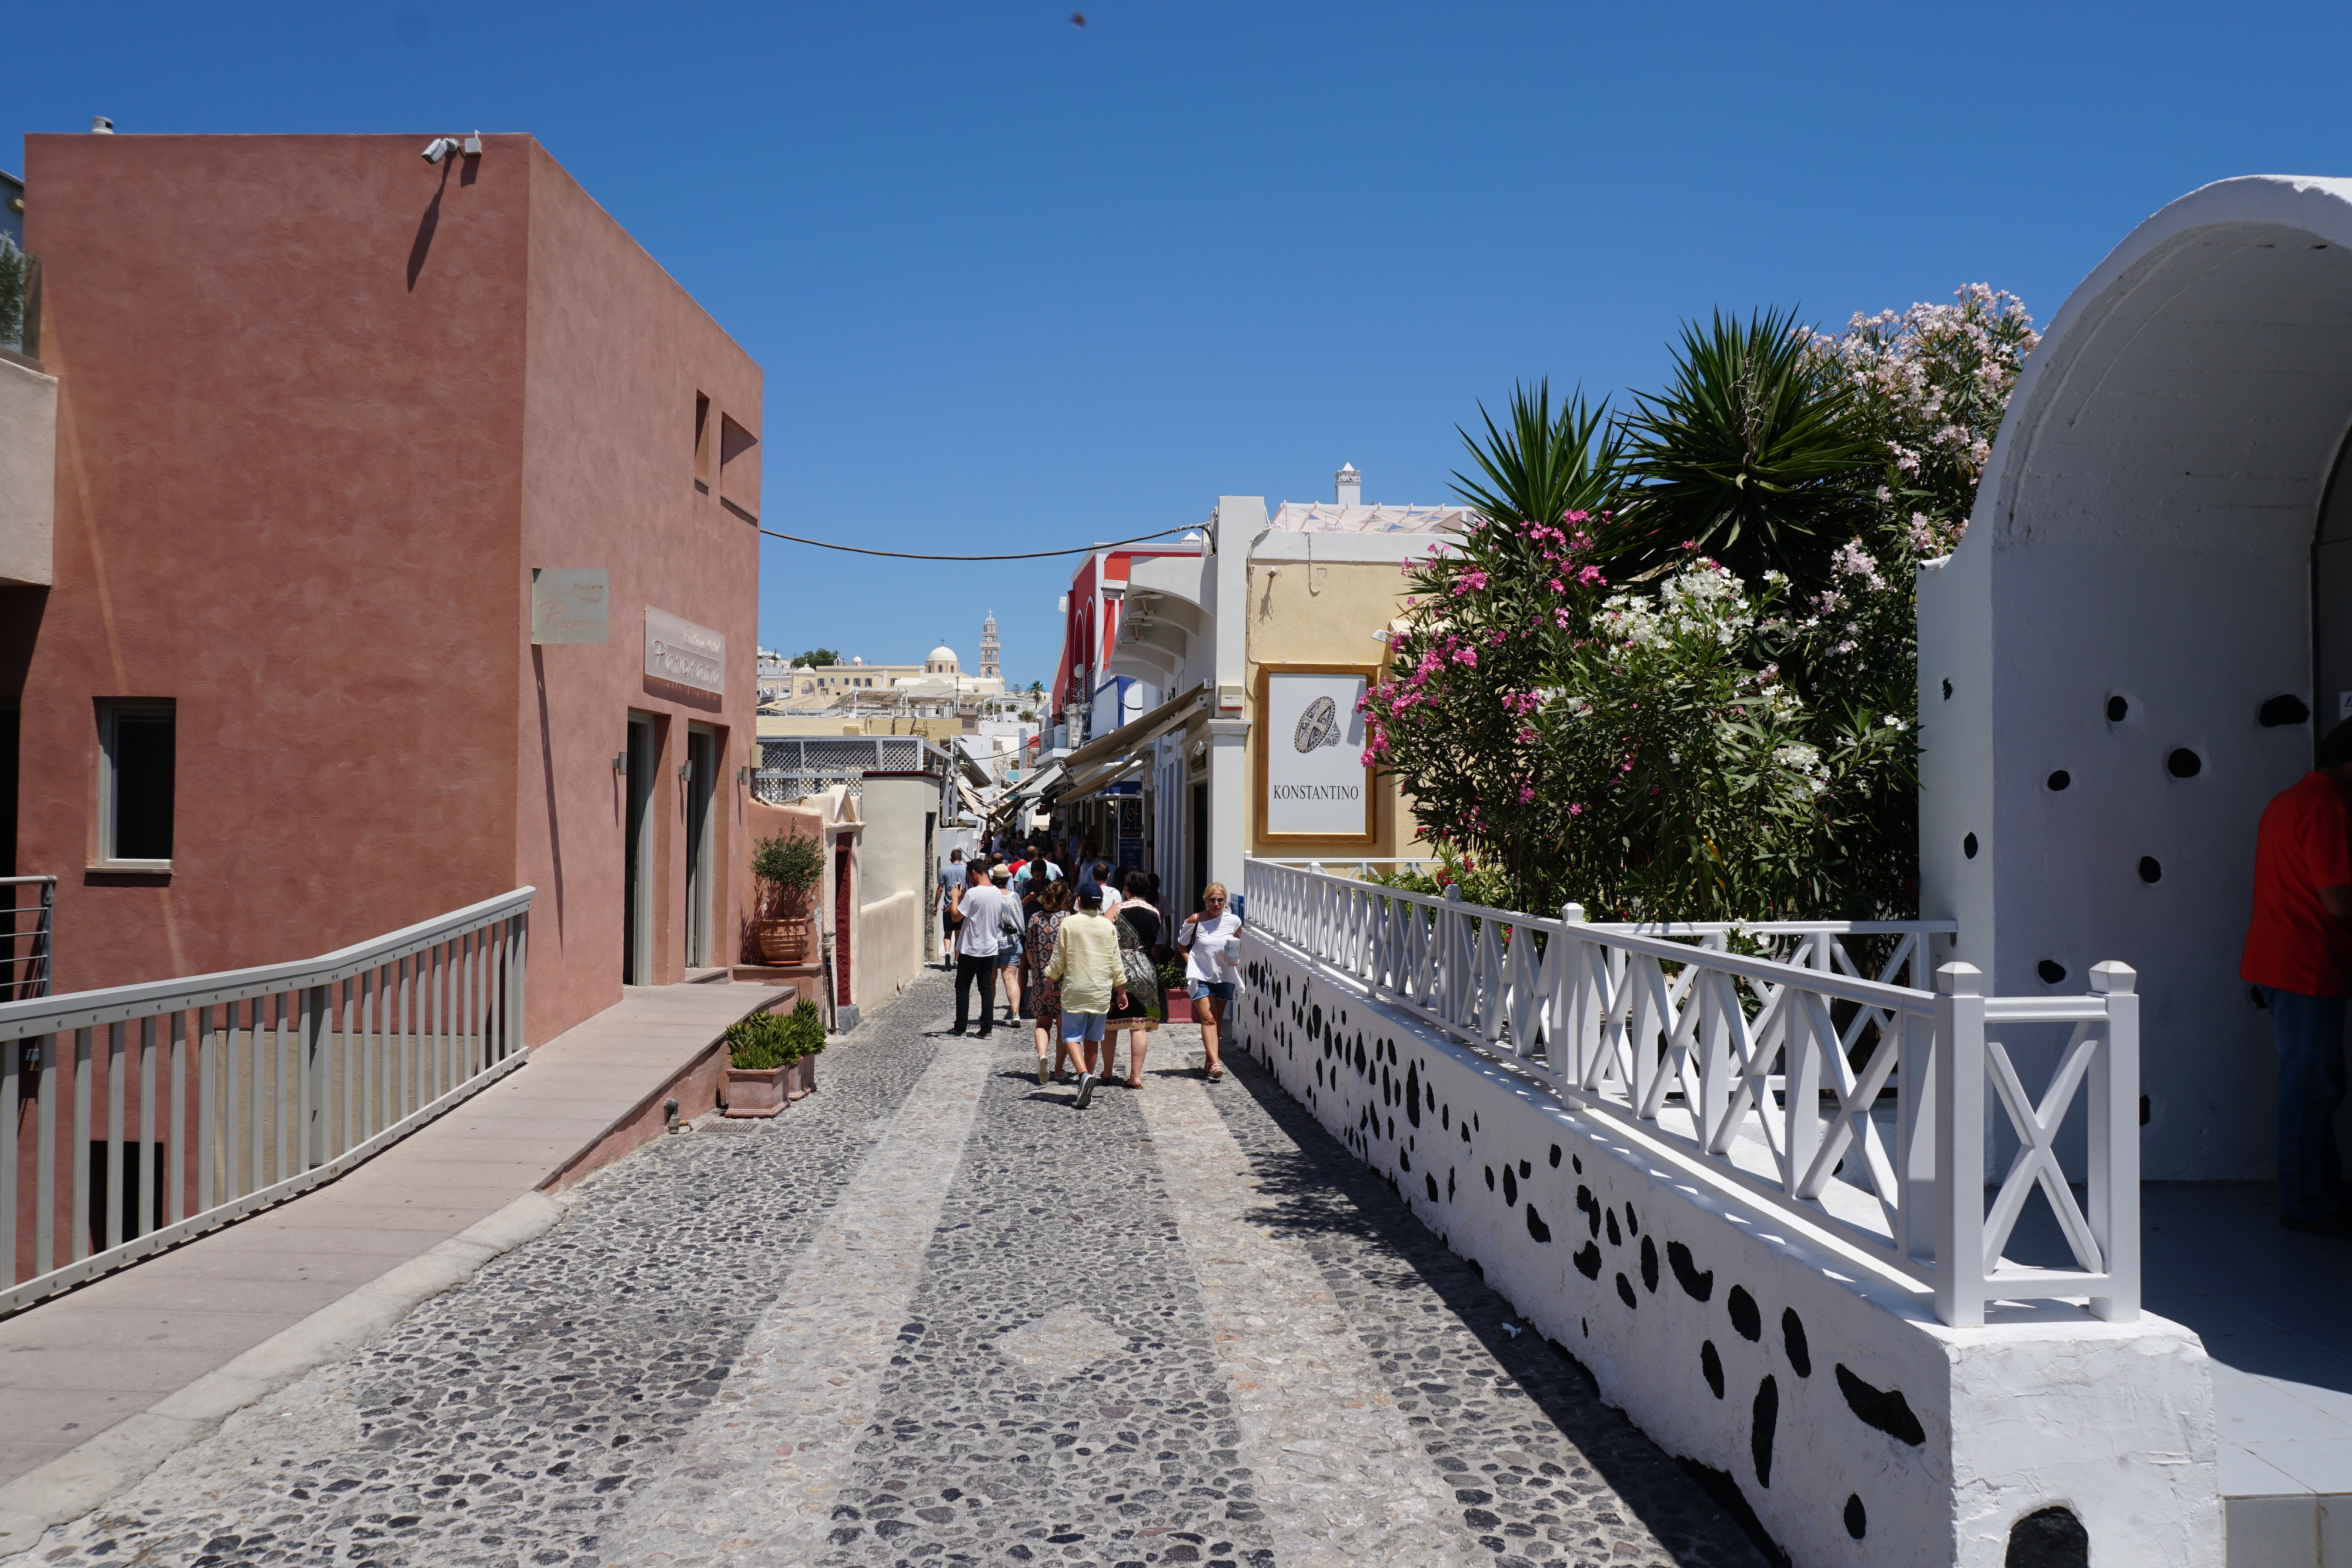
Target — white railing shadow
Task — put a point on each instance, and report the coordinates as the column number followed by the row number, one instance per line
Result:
column 1854, row 1103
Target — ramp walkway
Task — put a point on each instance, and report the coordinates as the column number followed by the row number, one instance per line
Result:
column 99, row 1384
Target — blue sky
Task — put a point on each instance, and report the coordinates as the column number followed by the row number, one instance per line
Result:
column 1019, row 284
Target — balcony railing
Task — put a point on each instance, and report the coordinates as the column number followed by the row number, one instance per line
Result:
column 24, row 937
column 163, row 1109
column 1780, row 1075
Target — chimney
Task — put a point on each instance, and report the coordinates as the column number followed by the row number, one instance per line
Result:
column 1349, row 486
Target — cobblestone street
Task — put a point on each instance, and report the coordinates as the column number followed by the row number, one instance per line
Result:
column 932, row 1314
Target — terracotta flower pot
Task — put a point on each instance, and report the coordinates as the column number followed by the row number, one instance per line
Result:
column 803, row 1076
column 1178, row 1003
column 756, row 1092
column 786, row 940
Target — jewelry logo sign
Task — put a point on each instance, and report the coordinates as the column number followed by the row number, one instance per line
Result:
column 1315, row 784
column 683, row 653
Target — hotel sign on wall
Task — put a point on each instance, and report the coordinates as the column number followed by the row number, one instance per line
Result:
column 1311, row 779
column 683, row 653
column 569, row 604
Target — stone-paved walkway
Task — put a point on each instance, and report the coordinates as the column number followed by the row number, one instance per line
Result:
column 933, row 1315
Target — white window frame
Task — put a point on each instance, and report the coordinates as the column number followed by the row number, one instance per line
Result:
column 111, row 711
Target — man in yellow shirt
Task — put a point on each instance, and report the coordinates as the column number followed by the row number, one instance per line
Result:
column 1094, row 980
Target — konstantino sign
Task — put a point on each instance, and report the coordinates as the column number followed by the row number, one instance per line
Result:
column 679, row 652
column 1312, row 781
column 569, row 604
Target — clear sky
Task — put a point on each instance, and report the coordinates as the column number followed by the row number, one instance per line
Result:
column 1019, row 284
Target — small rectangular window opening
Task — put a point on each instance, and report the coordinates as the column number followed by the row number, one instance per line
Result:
column 138, row 746
column 702, row 442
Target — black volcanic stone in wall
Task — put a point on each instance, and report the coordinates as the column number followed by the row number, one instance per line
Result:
column 1650, row 1264
column 1589, row 1207
column 1710, row 1366
column 1766, row 1416
column 1616, row 1239
column 1510, row 1187
column 1535, row 1227
column 1698, row 1286
column 1885, row 1409
column 2047, row 1538
column 1792, row 1339
column 1587, row 1261
column 1413, row 1094
column 1555, row 1156
column 1744, row 1315
column 1857, row 1518
column 1625, row 1291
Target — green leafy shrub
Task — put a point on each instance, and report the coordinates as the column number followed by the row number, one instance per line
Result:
column 787, row 868
column 805, row 1025
column 760, row 1043
column 765, row 1041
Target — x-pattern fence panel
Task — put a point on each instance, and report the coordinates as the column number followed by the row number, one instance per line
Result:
column 1784, row 1069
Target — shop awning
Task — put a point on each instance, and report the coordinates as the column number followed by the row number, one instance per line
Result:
column 1130, row 737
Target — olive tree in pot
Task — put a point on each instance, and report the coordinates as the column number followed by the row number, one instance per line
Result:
column 786, row 870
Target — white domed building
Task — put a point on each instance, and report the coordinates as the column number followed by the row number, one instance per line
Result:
column 943, row 676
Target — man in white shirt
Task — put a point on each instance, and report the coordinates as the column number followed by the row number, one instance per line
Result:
column 986, row 910
column 1209, row 940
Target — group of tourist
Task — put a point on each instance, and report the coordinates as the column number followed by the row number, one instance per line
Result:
column 1080, row 955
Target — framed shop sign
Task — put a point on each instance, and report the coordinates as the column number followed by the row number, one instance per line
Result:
column 1312, row 789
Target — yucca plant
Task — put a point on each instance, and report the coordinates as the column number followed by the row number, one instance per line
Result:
column 1544, row 466
column 1749, row 453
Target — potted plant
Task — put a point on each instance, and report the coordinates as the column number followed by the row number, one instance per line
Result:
column 786, row 870
column 1171, row 981
column 806, row 1027
column 758, row 1061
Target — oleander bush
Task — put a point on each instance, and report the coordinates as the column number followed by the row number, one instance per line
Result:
column 1669, row 670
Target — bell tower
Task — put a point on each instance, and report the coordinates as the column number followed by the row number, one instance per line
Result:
column 988, row 669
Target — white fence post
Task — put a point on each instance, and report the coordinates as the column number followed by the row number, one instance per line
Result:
column 2115, row 1142
column 1959, row 1146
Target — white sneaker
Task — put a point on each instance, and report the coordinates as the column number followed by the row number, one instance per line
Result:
column 1086, row 1082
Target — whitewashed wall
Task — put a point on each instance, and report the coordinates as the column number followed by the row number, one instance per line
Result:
column 2144, row 533
column 1859, row 1429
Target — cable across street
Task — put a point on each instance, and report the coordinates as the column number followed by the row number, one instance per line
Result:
column 1025, row 555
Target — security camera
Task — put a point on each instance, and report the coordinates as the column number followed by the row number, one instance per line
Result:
column 440, row 147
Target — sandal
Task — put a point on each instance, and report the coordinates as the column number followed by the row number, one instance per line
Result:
column 1135, row 1084
column 1215, row 1072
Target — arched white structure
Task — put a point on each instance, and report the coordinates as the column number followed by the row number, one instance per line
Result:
column 2135, row 585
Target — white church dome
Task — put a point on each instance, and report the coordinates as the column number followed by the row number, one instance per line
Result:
column 943, row 654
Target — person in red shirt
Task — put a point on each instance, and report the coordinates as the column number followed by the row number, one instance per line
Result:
column 2299, row 952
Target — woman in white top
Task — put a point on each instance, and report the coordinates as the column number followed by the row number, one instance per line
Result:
column 1209, row 939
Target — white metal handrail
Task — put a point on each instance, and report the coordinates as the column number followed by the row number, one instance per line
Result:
column 186, row 1104
column 1742, row 1064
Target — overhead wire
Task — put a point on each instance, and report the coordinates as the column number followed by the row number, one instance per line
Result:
column 1023, row 555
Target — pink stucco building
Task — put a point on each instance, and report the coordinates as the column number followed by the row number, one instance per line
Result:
column 322, row 408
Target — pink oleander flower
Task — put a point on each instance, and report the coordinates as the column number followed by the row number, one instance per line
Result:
column 1527, row 793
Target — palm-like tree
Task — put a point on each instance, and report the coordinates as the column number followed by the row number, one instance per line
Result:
column 1543, row 466
column 1745, row 453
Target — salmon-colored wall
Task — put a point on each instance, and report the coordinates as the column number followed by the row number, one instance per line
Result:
column 760, row 820
column 618, row 353
column 322, row 407
column 288, row 478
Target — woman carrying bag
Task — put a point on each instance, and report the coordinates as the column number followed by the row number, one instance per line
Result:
column 1138, row 924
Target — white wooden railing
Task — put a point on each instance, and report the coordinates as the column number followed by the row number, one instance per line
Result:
column 1776, row 1074
column 143, row 1114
